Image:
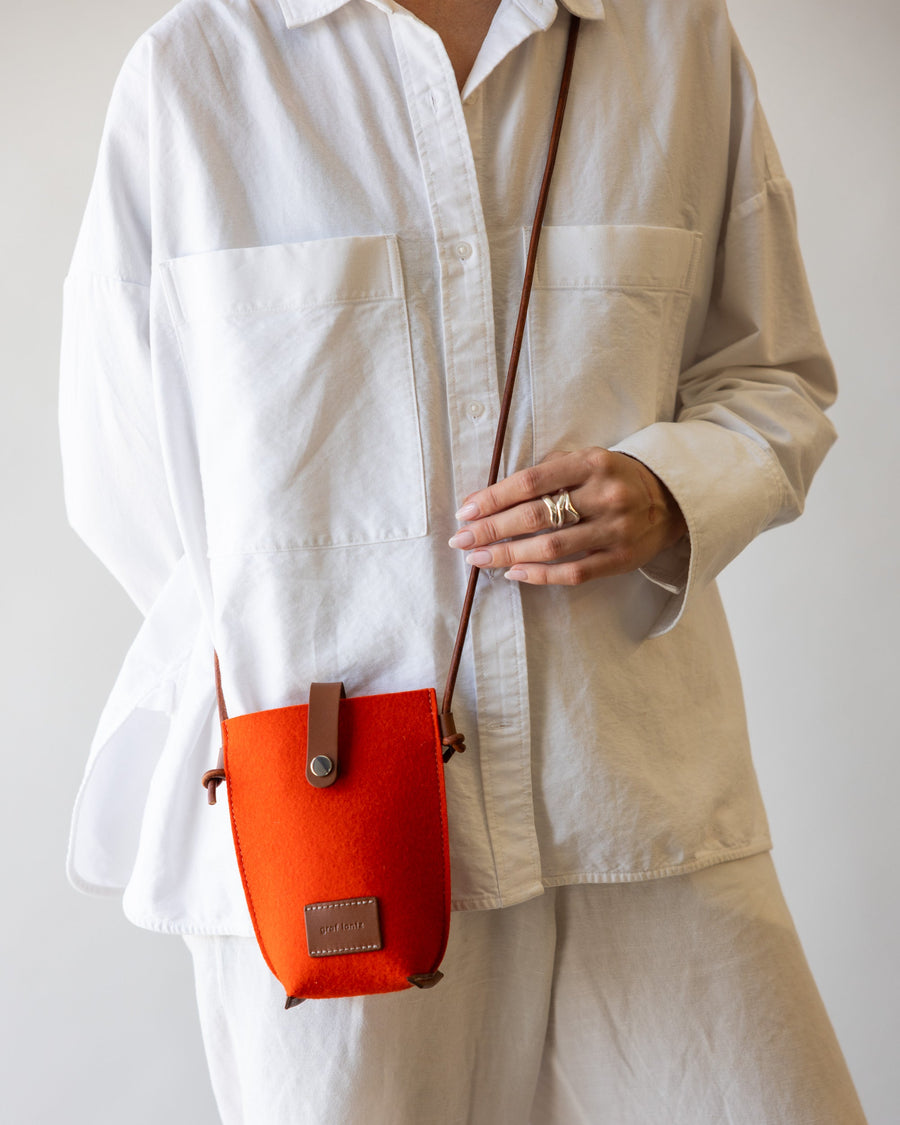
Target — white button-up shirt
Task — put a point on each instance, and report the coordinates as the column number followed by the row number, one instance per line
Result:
column 292, row 294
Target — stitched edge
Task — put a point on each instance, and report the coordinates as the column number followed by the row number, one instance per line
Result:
column 445, row 841
column 344, row 949
column 240, row 854
column 341, row 902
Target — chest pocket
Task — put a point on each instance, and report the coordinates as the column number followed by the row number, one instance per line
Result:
column 606, row 326
column 301, row 375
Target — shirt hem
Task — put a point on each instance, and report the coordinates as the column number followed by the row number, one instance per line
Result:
column 725, row 856
column 495, row 902
column 471, row 902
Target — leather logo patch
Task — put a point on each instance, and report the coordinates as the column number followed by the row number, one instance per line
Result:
column 348, row 926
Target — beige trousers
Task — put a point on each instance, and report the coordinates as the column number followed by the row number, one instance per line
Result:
column 681, row 1001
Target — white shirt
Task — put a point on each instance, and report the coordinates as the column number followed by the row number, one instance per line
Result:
column 291, row 297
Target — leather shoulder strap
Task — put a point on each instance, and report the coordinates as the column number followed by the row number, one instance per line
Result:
column 452, row 739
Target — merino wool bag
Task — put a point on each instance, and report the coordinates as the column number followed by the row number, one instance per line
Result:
column 338, row 809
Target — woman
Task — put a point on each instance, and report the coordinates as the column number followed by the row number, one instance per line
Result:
column 293, row 291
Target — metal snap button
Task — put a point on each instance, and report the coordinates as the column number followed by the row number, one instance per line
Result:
column 321, row 766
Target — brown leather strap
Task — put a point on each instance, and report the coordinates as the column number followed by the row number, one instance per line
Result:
column 212, row 779
column 322, row 734
column 452, row 740
column 220, row 695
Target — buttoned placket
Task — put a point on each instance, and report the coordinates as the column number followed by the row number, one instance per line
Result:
column 496, row 638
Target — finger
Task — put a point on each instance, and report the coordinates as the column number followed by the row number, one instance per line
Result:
column 530, row 518
column 554, row 455
column 567, row 471
column 572, row 572
column 524, row 519
column 550, row 547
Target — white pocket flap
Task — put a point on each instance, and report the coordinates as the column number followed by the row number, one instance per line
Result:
column 617, row 257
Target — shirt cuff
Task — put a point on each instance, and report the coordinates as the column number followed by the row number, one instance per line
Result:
column 729, row 489
column 669, row 569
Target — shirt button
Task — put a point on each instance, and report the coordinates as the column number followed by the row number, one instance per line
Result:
column 463, row 251
column 476, row 409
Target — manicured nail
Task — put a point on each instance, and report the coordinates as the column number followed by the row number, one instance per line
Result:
column 516, row 574
column 478, row 558
column 467, row 512
column 463, row 539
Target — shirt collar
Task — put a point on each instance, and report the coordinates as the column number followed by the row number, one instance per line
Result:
column 300, row 12
column 543, row 12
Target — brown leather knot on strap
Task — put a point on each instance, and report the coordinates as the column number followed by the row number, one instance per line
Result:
column 453, row 740
column 212, row 779
column 453, row 744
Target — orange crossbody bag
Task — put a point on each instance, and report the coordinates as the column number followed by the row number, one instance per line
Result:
column 338, row 810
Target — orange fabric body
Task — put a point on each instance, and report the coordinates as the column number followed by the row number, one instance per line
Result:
column 380, row 829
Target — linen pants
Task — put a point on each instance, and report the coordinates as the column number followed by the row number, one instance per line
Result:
column 681, row 1001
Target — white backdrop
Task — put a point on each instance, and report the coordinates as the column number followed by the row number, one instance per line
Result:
column 98, row 1024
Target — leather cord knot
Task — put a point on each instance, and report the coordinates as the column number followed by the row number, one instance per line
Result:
column 453, row 744
column 212, row 779
column 453, row 741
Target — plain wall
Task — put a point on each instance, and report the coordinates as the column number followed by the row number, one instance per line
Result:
column 98, row 1023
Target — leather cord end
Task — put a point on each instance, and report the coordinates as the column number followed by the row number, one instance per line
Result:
column 212, row 779
column 454, row 744
column 453, row 741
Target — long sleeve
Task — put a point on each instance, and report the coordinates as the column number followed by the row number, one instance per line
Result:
column 115, row 484
column 118, row 499
column 750, row 431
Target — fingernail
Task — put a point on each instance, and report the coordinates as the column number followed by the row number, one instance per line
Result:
column 516, row 574
column 478, row 558
column 463, row 539
column 467, row 512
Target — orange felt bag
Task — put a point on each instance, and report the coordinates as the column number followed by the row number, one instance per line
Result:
column 340, row 827
column 338, row 811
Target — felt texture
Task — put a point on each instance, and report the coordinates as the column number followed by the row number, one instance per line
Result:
column 380, row 830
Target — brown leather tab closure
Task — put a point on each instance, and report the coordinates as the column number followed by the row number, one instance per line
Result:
column 322, row 734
